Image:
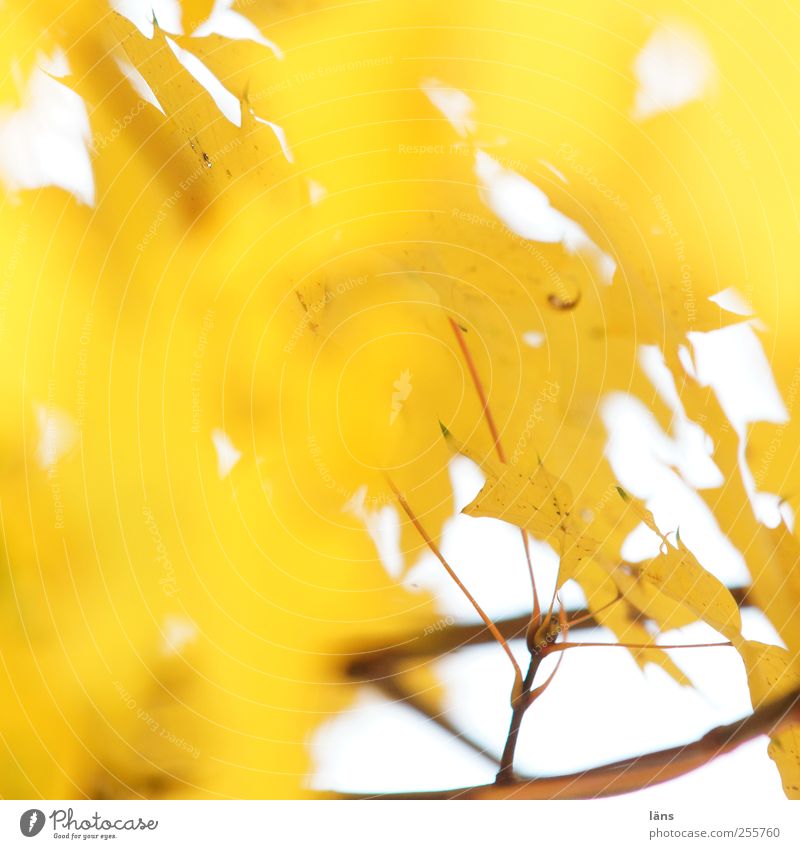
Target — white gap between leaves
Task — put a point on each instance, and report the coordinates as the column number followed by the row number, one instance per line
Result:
column 732, row 300
column 316, row 192
column 383, row 526
column 58, row 434
column 533, row 338
column 733, row 363
column 46, row 141
column 226, row 101
column 177, row 633
column 693, row 446
column 279, row 134
column 674, row 68
column 225, row 20
column 552, row 168
column 138, row 83
column 526, row 210
column 453, row 103
column 228, row 455
column 642, row 457
column 141, row 13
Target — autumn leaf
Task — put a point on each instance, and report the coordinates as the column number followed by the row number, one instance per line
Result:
column 772, row 672
column 540, row 504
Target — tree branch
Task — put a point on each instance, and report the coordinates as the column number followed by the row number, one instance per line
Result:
column 633, row 773
column 521, row 704
column 455, row 637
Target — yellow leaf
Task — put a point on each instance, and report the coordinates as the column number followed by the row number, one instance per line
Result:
column 623, row 619
column 772, row 673
column 540, row 504
column 678, row 575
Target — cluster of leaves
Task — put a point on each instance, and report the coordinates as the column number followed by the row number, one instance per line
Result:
column 273, row 268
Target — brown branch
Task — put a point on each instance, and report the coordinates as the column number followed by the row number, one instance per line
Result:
column 505, row 774
column 633, row 773
column 455, row 637
column 380, row 666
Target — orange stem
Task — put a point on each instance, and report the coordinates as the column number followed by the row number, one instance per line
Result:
column 487, row 413
column 440, row 557
column 537, row 613
column 498, row 445
column 561, row 646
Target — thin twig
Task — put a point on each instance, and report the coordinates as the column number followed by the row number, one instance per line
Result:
column 537, row 612
column 440, row 557
column 554, row 647
column 484, row 399
column 498, row 447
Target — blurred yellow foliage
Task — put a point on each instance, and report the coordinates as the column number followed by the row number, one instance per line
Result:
column 173, row 627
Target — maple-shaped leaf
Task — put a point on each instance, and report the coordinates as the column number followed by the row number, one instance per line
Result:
column 678, row 575
column 539, row 503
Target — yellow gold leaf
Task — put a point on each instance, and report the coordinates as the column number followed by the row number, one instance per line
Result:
column 772, row 673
